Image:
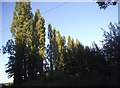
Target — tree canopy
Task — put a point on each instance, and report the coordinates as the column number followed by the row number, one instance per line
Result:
column 62, row 60
column 103, row 4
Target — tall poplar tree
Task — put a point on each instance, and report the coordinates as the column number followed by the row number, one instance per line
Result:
column 49, row 47
column 39, row 41
column 19, row 28
column 61, row 50
column 55, row 49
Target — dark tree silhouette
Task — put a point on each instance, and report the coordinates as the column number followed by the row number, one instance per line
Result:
column 103, row 4
column 61, row 62
column 111, row 49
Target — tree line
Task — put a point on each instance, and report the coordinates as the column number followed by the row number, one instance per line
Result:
column 61, row 59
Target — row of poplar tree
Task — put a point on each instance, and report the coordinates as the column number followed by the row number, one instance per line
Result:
column 30, row 58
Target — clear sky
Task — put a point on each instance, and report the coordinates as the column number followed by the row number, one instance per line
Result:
column 81, row 20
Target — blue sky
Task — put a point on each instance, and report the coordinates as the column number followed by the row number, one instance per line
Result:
column 81, row 20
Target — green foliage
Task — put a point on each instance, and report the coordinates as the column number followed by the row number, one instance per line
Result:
column 60, row 62
column 103, row 4
column 49, row 47
column 40, row 40
column 9, row 48
column 111, row 49
column 29, row 43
